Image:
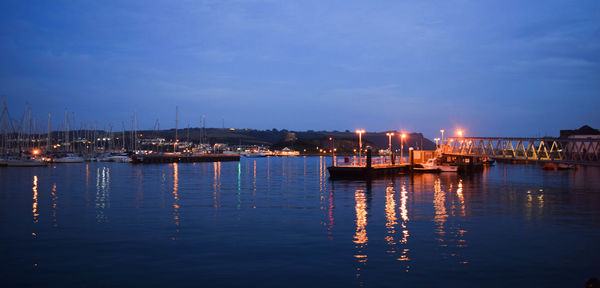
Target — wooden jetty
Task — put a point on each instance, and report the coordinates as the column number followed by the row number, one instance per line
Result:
column 465, row 163
column 175, row 157
column 366, row 170
column 349, row 172
column 371, row 169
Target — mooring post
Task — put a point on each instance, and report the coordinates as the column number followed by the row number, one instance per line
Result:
column 411, row 158
column 369, row 158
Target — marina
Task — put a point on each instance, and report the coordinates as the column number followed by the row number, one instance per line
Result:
column 299, row 144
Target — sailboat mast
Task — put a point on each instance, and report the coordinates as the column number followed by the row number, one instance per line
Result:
column 176, row 119
column 123, row 136
column 4, row 115
column 66, row 131
column 95, row 136
column 135, row 131
column 29, row 137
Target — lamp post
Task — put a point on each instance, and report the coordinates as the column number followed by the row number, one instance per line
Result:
column 332, row 151
column 390, row 134
column 402, row 147
column 436, row 142
column 360, row 132
column 442, row 142
column 460, row 134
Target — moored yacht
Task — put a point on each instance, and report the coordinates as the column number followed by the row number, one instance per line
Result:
column 24, row 160
column 33, row 162
column 69, row 158
column 120, row 157
column 253, row 154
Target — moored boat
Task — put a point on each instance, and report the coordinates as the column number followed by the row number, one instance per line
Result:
column 25, row 162
column 253, row 154
column 287, row 152
column 448, row 168
column 559, row 166
column 120, row 158
column 432, row 166
column 425, row 169
column 69, row 158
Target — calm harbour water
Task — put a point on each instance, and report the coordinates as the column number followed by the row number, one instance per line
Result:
column 280, row 222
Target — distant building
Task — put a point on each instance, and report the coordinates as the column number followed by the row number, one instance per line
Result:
column 585, row 132
column 582, row 147
column 290, row 136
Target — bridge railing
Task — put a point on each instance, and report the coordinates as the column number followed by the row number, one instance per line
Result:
column 578, row 151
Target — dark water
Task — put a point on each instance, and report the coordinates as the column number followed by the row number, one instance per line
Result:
column 279, row 222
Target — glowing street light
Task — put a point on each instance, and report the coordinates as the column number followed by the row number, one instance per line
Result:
column 442, row 135
column 332, row 150
column 436, row 141
column 360, row 132
column 459, row 133
column 390, row 134
column 402, row 137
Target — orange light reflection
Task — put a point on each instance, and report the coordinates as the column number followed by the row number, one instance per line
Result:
column 175, row 199
column 390, row 216
column 34, row 208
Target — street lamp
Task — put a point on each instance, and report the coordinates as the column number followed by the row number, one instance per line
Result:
column 402, row 147
column 460, row 134
column 332, row 150
column 436, row 142
column 360, row 132
column 390, row 134
column 442, row 136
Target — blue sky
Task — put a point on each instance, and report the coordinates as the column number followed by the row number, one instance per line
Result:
column 493, row 68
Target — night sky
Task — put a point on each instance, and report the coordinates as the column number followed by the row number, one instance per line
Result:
column 492, row 68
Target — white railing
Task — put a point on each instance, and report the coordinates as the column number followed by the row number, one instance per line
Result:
column 355, row 161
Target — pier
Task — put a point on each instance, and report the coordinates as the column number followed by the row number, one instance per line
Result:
column 176, row 157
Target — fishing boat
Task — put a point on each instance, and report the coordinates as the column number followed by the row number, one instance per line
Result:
column 432, row 166
column 448, row 168
column 422, row 168
column 427, row 167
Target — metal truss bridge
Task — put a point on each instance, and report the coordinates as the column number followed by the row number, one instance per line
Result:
column 581, row 151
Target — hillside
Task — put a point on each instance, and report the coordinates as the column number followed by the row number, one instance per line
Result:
column 299, row 140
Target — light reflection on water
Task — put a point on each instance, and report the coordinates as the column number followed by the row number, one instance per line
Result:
column 176, row 199
column 404, row 215
column 287, row 213
column 102, row 200
column 34, row 208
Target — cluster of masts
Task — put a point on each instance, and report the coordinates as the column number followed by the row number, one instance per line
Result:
column 29, row 137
